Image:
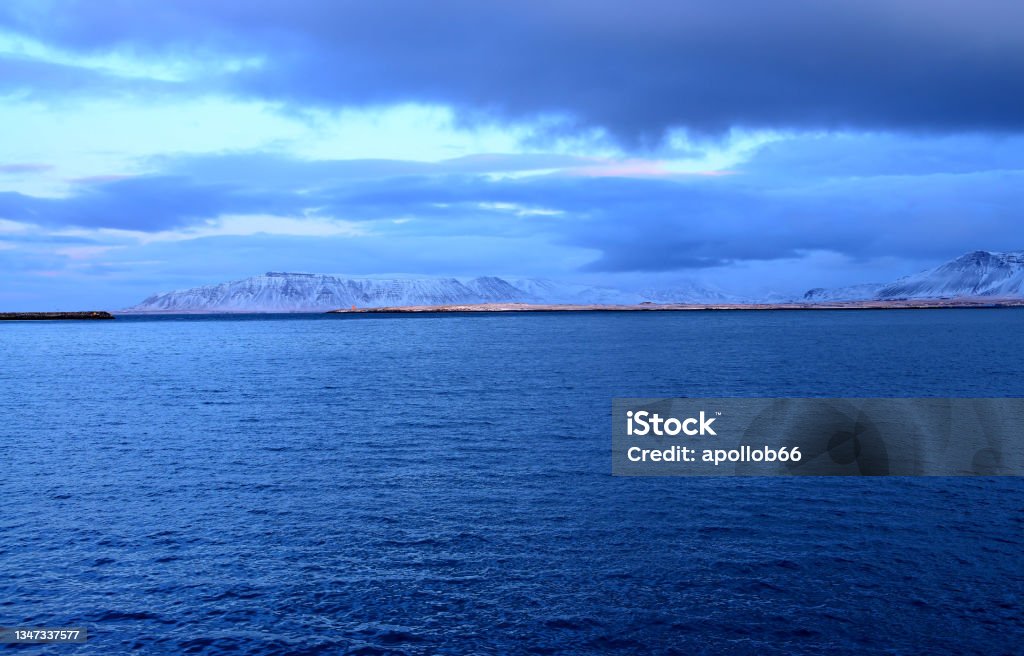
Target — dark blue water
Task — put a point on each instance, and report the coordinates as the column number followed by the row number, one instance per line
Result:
column 424, row 485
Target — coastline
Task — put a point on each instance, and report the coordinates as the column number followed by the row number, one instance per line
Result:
column 908, row 304
column 55, row 316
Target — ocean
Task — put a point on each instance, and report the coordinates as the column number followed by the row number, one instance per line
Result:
column 441, row 484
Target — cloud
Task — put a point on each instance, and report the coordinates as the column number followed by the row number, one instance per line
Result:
column 815, row 156
column 191, row 190
column 147, row 203
column 42, row 80
column 278, row 171
column 925, row 217
column 189, row 141
column 16, row 168
column 636, row 70
column 794, row 198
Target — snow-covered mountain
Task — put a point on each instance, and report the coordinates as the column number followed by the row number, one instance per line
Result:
column 862, row 292
column 687, row 291
column 311, row 292
column 306, row 292
column 560, row 292
column 981, row 273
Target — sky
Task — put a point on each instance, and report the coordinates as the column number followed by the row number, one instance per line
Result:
column 749, row 146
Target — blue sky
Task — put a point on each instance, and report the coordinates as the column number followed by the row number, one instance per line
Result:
column 147, row 146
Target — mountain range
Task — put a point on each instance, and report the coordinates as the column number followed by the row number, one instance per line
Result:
column 311, row 292
column 976, row 274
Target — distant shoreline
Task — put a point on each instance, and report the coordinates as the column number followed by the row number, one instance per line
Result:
column 54, row 316
column 902, row 304
column 918, row 304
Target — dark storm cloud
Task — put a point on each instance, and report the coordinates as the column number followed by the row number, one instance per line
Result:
column 636, row 68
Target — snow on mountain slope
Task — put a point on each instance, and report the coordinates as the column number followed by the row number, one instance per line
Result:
column 980, row 273
column 312, row 292
column 862, row 292
column 551, row 291
column 686, row 291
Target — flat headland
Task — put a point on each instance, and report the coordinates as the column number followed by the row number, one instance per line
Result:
column 54, row 316
column 898, row 304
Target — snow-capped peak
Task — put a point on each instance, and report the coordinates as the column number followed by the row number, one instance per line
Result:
column 979, row 273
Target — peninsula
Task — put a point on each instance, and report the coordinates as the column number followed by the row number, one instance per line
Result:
column 53, row 316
